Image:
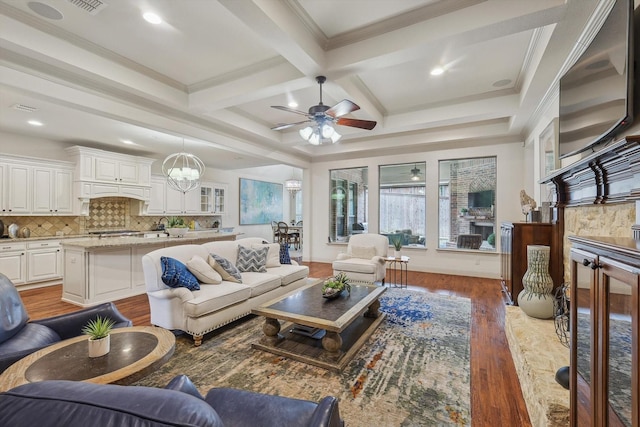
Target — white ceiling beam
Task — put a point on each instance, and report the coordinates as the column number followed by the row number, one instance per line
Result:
column 282, row 30
column 481, row 22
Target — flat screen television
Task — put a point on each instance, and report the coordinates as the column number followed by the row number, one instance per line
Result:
column 480, row 199
column 597, row 92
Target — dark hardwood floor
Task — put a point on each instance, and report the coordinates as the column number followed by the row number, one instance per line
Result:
column 496, row 398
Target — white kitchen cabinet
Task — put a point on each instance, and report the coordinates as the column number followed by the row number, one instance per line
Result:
column 212, row 198
column 158, row 199
column 116, row 170
column 52, row 191
column 17, row 189
column 13, row 261
column 93, row 165
column 3, row 192
column 165, row 200
column 31, row 186
column 44, row 260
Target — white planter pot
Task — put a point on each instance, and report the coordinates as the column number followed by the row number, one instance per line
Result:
column 177, row 232
column 99, row 347
column 396, row 254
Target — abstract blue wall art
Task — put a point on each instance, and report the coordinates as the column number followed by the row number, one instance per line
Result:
column 260, row 202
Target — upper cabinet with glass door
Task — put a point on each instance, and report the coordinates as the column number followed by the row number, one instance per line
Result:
column 467, row 204
column 212, row 198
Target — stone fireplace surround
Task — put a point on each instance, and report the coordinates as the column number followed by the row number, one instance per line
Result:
column 596, row 196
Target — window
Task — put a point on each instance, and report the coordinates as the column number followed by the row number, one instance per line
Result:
column 403, row 202
column 348, row 200
column 466, row 204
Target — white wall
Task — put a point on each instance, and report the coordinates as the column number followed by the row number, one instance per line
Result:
column 511, row 164
column 510, row 182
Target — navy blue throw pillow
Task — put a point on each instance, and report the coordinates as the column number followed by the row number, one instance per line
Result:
column 175, row 275
column 284, row 254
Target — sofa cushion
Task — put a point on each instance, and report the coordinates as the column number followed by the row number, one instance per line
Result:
column 364, row 252
column 175, row 274
column 355, row 265
column 273, row 257
column 79, row 404
column 260, row 282
column 289, row 273
column 203, row 271
column 252, row 259
column 213, row 298
column 284, row 254
column 227, row 270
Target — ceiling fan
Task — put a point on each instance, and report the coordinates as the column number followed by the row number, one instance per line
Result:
column 322, row 117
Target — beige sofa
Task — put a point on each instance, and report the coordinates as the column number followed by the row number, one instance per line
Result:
column 214, row 305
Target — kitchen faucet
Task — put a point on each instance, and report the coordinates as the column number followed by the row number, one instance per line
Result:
column 159, row 225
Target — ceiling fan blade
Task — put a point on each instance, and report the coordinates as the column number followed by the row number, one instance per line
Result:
column 291, row 110
column 356, row 123
column 282, row 126
column 341, row 108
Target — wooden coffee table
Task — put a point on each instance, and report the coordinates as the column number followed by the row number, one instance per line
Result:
column 332, row 331
column 135, row 352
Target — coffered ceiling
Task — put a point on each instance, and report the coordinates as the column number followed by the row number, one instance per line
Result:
column 210, row 72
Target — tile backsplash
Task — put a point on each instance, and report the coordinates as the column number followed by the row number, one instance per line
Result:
column 106, row 213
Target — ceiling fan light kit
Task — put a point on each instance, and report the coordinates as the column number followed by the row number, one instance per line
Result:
column 323, row 117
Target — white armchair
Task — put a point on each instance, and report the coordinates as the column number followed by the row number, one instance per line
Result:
column 364, row 259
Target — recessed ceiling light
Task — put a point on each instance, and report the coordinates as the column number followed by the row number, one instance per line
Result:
column 501, row 83
column 152, row 18
column 292, row 104
column 126, row 141
column 45, row 10
column 437, row 71
column 35, row 123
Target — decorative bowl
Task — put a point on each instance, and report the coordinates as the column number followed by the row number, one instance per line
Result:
column 330, row 293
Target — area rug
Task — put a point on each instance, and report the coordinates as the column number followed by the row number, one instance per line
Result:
column 413, row 371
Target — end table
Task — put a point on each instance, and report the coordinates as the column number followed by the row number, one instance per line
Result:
column 397, row 271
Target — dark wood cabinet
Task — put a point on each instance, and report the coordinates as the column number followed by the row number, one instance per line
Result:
column 514, row 238
column 605, row 306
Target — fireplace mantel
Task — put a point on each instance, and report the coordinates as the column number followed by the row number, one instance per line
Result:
column 611, row 175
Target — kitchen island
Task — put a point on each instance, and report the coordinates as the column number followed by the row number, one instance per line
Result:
column 98, row 270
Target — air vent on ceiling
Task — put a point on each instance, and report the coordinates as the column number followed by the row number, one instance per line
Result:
column 25, row 108
column 91, row 6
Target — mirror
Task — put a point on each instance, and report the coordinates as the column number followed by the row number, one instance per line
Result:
column 467, row 204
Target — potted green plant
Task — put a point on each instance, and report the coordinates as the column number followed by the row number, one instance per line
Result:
column 333, row 287
column 176, row 226
column 99, row 330
column 396, row 241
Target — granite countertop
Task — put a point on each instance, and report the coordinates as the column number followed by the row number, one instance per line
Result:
column 36, row 238
column 108, row 242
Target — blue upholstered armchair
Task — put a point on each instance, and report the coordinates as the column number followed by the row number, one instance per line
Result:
column 19, row 337
column 76, row 403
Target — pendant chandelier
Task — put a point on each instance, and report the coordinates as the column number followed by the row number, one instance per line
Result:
column 293, row 185
column 183, row 171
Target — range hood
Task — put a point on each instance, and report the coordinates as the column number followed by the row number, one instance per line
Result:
column 87, row 191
